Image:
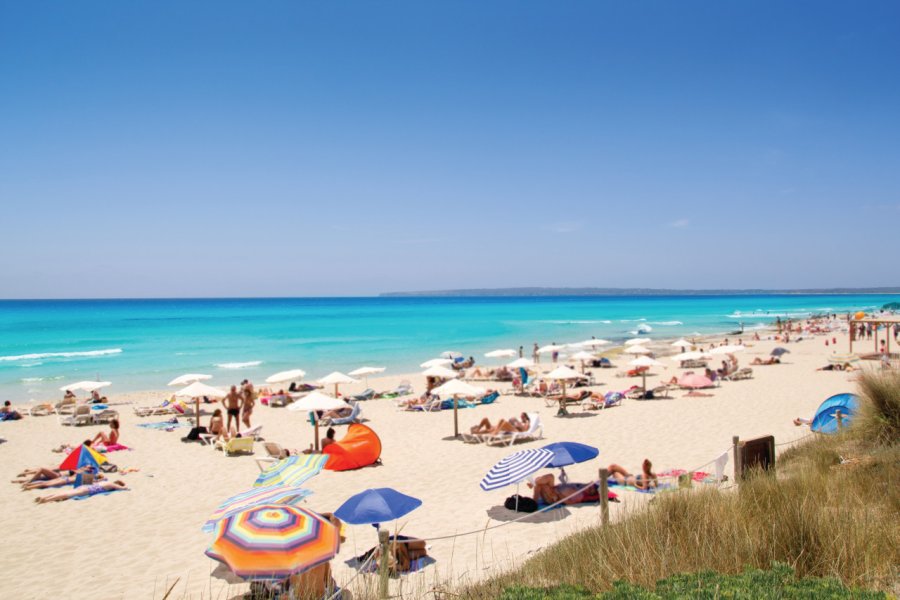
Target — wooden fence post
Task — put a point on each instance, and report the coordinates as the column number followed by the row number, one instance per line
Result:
column 736, row 442
column 604, row 497
column 384, row 566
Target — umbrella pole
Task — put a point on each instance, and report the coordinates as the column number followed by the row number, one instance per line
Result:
column 644, row 381
column 455, row 418
column 197, row 403
column 316, row 423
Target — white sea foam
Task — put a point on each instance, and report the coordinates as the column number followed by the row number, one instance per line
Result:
column 573, row 322
column 666, row 323
column 60, row 354
column 38, row 379
column 239, row 365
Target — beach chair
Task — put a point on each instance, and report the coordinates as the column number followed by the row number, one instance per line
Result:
column 280, row 400
column 508, row 438
column 150, row 411
column 610, row 400
column 488, row 399
column 404, row 389
column 81, row 416
column 41, row 410
column 253, row 432
column 367, row 394
column 745, row 373
column 353, row 417
column 236, row 445
column 106, row 415
column 275, row 451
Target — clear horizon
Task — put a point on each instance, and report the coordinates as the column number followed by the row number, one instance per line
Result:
column 163, row 150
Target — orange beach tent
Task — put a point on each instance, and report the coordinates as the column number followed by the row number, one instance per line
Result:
column 361, row 447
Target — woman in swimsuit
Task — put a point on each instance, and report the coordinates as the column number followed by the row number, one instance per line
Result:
column 84, row 490
column 548, row 491
column 643, row 481
column 514, row 424
column 58, row 482
column 217, row 425
column 247, row 408
column 112, row 438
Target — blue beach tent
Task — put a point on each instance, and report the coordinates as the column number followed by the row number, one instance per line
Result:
column 825, row 420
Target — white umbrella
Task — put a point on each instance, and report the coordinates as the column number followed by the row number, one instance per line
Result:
column 682, row 343
column 582, row 356
column 521, row 363
column 189, row 378
column 336, row 378
column 645, row 361
column 693, row 355
column 637, row 340
column 316, row 400
column 366, row 371
column 440, row 371
column 87, row 386
column 456, row 388
column 436, row 362
column 451, row 354
column 505, row 353
column 283, row 376
column 727, row 349
column 594, row 343
column 550, row 348
column 198, row 389
column 636, row 349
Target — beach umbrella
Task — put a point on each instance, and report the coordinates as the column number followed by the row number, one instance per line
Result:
column 636, row 349
column 86, row 386
column 593, row 343
column 366, row 371
column 316, row 401
column 521, row 363
column 681, row 343
column 637, row 340
column 731, row 349
column 569, row 453
column 695, row 381
column 691, row 355
column 189, row 378
column 273, row 541
column 276, row 494
column 436, row 362
column 82, row 456
column 505, row 353
column 440, row 371
column 516, row 467
column 196, row 390
column 825, row 420
column 779, row 351
column 286, row 376
column 645, row 361
column 550, row 348
column 336, row 378
column 563, row 374
column 375, row 506
column 582, row 356
column 291, row 471
column 456, row 388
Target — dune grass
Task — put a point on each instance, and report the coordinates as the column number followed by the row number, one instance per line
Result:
column 831, row 511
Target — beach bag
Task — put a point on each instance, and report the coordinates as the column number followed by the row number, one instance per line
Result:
column 521, row 504
column 194, row 433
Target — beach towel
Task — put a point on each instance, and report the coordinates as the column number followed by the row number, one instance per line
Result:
column 611, row 482
column 167, row 425
column 720, row 466
column 111, row 447
column 103, row 493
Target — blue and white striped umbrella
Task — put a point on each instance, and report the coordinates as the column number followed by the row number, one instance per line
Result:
column 516, row 467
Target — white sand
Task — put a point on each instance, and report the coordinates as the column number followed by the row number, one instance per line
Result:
column 135, row 544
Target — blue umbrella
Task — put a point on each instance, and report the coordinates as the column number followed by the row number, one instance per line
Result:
column 779, row 351
column 515, row 467
column 825, row 420
column 376, row 506
column 569, row 453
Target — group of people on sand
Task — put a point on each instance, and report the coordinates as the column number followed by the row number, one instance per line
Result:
column 238, row 405
column 547, row 491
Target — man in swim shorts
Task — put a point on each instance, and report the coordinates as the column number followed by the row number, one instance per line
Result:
column 233, row 402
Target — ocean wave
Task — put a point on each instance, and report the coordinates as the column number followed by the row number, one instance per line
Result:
column 60, row 354
column 666, row 323
column 631, row 320
column 573, row 322
column 37, row 379
column 239, row 365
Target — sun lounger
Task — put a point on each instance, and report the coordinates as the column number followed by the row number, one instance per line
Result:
column 745, row 373
column 569, row 400
column 106, row 415
column 162, row 409
column 694, row 364
column 352, row 418
column 81, row 416
column 367, row 394
column 488, row 399
column 236, row 445
column 535, row 432
column 404, row 389
column 280, row 400
column 41, row 410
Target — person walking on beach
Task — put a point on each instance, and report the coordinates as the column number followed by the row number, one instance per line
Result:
column 233, row 401
column 247, row 407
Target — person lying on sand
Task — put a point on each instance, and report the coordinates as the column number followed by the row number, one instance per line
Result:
column 643, row 481
column 337, row 413
column 774, row 360
column 546, row 490
column 84, row 490
column 63, row 479
column 837, row 367
column 510, row 426
column 38, row 474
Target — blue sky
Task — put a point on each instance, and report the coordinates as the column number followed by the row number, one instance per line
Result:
column 331, row 148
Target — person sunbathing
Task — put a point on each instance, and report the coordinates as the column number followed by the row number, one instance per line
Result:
column 420, row 401
column 338, row 413
column 38, row 474
column 84, row 490
column 67, row 478
column 772, row 360
column 511, row 426
column 643, row 481
column 8, row 413
column 112, row 439
column 546, row 490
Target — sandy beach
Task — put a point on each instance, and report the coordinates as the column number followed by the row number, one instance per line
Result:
column 138, row 543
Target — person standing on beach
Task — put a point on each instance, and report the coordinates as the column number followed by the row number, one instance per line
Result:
column 233, row 401
column 522, row 351
column 247, row 406
column 535, row 355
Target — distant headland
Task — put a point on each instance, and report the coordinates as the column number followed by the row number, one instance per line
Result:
column 595, row 291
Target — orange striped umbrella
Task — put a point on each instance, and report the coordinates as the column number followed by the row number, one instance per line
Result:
column 273, row 541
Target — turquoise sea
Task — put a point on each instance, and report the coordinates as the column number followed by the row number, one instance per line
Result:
column 142, row 344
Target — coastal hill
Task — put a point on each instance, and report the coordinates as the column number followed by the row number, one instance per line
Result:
column 595, row 291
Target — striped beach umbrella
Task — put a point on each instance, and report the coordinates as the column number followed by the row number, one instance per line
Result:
column 273, row 541
column 516, row 467
column 291, row 471
column 82, row 456
column 277, row 494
